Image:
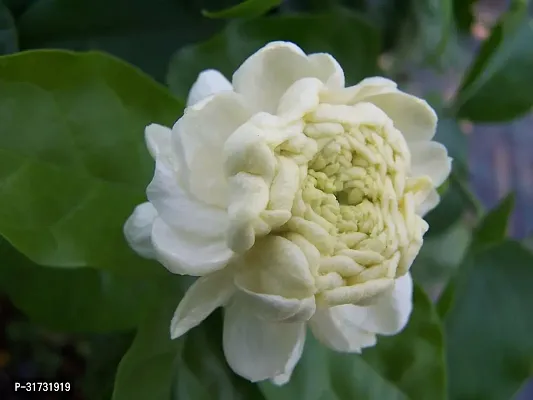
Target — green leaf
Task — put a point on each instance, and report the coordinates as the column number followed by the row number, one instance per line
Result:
column 490, row 230
column 104, row 355
column 144, row 33
column 440, row 257
column 73, row 163
column 489, row 341
column 351, row 40
column 202, row 372
column 146, row 370
column 191, row 368
column 8, row 31
column 409, row 365
column 246, row 9
column 495, row 87
column 73, row 300
column 493, row 227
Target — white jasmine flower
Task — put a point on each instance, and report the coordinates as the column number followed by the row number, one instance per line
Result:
column 296, row 200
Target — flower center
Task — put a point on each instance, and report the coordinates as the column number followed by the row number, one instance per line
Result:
column 355, row 193
column 336, row 184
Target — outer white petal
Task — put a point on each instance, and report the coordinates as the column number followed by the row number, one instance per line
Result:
column 431, row 159
column 430, row 202
column 291, row 363
column 257, row 349
column 179, row 209
column 328, row 70
column 201, row 299
column 277, row 308
column 158, row 140
column 198, row 139
column 412, row 116
column 391, row 312
column 357, row 93
column 337, row 328
column 138, row 229
column 276, row 266
column 268, row 73
column 188, row 254
column 208, row 83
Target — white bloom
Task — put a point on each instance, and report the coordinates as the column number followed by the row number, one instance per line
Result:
column 295, row 200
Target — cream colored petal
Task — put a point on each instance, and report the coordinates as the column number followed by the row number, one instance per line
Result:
column 274, row 307
column 179, row 209
column 328, row 70
column 208, row 83
column 201, row 299
column 390, row 313
column 276, row 266
column 138, row 229
column 431, row 201
column 257, row 349
column 300, row 98
column 296, row 354
column 336, row 328
column 412, row 116
column 357, row 93
column 188, row 254
column 198, row 140
column 269, row 72
column 158, row 140
column 431, row 159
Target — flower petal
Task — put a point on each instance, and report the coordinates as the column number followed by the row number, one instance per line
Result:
column 180, row 209
column 257, row 349
column 201, row 299
column 412, row 116
column 198, row 139
column 431, row 159
column 277, row 308
column 430, row 202
column 328, row 70
column 269, row 72
column 208, row 83
column 357, row 93
column 158, row 139
column 186, row 253
column 138, row 229
column 336, row 328
column 390, row 313
column 276, row 266
column 296, row 354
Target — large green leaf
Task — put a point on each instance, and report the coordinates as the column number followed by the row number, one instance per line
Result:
column 145, row 33
column 490, row 230
column 191, row 368
column 347, row 37
column 8, row 31
column 489, row 340
column 73, row 300
column 146, row 370
column 202, row 372
column 246, row 9
column 73, row 163
column 493, row 227
column 409, row 365
column 496, row 88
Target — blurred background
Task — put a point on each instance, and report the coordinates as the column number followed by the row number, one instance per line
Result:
column 148, row 33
